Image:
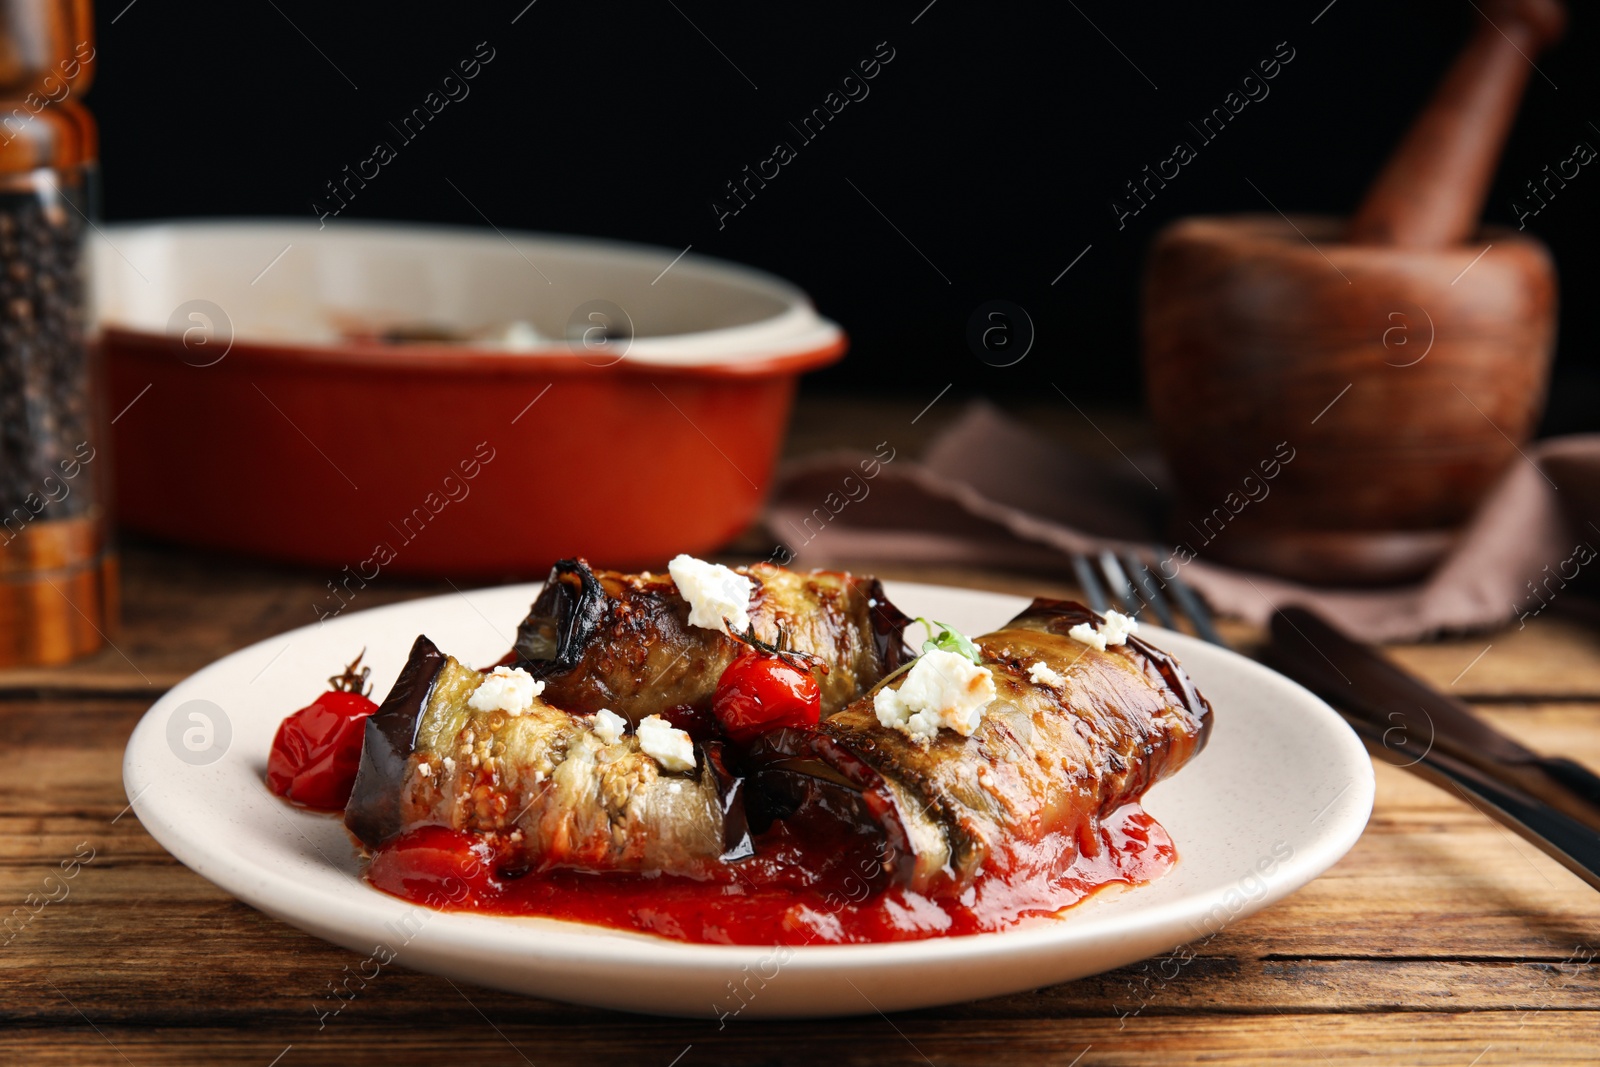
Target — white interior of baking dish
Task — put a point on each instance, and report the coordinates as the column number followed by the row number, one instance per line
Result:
column 517, row 292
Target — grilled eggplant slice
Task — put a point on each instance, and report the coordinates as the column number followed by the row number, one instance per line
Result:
column 541, row 785
column 602, row 639
column 1024, row 793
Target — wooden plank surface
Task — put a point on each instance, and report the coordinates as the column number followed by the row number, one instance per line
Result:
column 1439, row 939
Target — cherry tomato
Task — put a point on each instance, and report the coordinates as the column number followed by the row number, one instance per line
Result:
column 317, row 751
column 438, row 865
column 759, row 692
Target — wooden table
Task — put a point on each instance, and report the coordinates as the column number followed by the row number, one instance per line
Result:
column 1440, row 939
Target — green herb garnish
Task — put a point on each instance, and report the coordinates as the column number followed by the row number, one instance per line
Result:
column 946, row 638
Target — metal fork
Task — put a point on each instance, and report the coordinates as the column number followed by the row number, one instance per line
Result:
column 1135, row 585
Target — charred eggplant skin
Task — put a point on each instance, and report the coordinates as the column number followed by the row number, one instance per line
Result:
column 373, row 813
column 1060, row 616
column 602, row 639
column 540, row 785
column 1048, row 761
column 563, row 619
column 736, row 840
column 888, row 628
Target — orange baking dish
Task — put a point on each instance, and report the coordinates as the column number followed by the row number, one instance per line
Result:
column 424, row 400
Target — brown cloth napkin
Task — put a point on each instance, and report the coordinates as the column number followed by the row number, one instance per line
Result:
column 991, row 492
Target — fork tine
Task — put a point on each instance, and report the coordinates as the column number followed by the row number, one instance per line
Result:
column 1121, row 588
column 1092, row 589
column 1139, row 571
column 1195, row 608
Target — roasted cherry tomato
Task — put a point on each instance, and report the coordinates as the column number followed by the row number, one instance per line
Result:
column 317, row 751
column 437, row 865
column 761, row 691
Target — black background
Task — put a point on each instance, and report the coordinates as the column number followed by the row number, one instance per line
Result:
column 995, row 141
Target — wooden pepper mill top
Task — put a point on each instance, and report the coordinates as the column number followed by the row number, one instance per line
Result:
column 1397, row 359
column 1431, row 192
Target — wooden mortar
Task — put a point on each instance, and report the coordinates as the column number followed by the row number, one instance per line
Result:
column 1399, row 360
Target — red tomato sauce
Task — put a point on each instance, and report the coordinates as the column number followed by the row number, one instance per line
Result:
column 796, row 890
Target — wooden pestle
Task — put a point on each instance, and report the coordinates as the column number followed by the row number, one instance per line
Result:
column 1431, row 192
column 1335, row 398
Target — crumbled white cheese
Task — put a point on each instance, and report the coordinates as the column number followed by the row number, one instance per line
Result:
column 426, row 770
column 507, row 689
column 1118, row 626
column 1041, row 674
column 1113, row 631
column 609, row 726
column 942, row 689
column 1088, row 635
column 665, row 743
column 714, row 593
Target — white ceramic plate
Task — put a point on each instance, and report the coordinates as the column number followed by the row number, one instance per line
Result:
column 1280, row 793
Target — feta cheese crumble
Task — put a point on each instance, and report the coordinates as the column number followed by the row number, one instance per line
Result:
column 714, row 593
column 1041, row 674
column 609, row 726
column 507, row 689
column 1113, row 631
column 667, row 744
column 942, row 689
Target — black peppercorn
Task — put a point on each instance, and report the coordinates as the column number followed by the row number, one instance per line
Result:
column 43, row 362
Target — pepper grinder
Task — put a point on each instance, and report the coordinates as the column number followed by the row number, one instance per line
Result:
column 57, row 566
column 1397, row 360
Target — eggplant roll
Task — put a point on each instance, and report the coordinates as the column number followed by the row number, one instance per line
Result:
column 1024, row 793
column 602, row 639
column 543, row 784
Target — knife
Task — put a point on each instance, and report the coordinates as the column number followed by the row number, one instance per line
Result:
column 1569, row 842
column 1405, row 713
